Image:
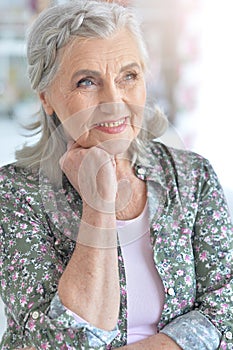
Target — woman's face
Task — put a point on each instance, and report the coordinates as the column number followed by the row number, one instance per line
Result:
column 99, row 92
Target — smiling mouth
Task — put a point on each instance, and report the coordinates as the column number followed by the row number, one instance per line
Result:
column 112, row 124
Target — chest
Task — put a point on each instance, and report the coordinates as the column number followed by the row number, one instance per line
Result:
column 131, row 199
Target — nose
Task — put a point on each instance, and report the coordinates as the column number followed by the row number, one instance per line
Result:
column 112, row 100
column 117, row 109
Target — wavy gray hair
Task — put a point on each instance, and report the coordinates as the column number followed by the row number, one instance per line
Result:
column 53, row 29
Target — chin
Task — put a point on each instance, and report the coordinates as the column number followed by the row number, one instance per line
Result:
column 115, row 147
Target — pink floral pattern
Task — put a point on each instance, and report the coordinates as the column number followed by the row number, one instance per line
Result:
column 191, row 235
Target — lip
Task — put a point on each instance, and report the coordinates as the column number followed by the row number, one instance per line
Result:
column 112, row 126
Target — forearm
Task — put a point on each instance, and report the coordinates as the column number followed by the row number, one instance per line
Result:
column 89, row 285
column 156, row 342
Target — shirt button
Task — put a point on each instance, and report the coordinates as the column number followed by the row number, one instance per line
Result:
column 141, row 171
column 171, row 292
column 229, row 335
column 35, row 315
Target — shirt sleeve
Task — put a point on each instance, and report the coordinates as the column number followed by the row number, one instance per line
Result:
column 209, row 326
column 33, row 256
column 193, row 331
column 96, row 337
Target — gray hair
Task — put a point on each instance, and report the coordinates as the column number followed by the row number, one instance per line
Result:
column 53, row 29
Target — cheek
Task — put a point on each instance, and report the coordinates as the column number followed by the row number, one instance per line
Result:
column 79, row 106
column 137, row 129
column 137, row 97
column 72, row 114
column 142, row 95
column 137, row 112
column 79, row 122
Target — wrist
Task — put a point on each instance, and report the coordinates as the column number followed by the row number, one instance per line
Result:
column 97, row 229
column 102, row 208
column 99, row 218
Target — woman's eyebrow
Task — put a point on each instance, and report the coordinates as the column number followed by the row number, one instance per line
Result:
column 86, row 72
column 95, row 73
column 130, row 66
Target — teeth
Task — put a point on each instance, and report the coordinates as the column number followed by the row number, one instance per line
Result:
column 112, row 124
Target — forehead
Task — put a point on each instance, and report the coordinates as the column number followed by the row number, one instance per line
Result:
column 119, row 49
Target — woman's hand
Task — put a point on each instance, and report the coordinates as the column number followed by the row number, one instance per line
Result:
column 92, row 173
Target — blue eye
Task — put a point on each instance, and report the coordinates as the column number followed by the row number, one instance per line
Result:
column 85, row 82
column 131, row 76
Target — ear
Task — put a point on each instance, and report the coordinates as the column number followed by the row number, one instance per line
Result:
column 45, row 103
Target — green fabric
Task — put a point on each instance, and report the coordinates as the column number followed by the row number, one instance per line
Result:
column 191, row 234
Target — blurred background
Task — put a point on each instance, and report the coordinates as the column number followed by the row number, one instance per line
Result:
column 191, row 73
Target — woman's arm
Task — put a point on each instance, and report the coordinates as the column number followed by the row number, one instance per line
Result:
column 89, row 285
column 156, row 342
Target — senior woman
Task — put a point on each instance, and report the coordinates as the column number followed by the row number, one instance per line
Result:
column 108, row 240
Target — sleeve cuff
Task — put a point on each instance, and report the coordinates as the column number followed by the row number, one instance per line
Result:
column 96, row 337
column 193, row 331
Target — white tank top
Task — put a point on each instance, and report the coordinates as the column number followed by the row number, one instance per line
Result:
column 145, row 292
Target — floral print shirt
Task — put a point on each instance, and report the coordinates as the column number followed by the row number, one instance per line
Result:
column 191, row 237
